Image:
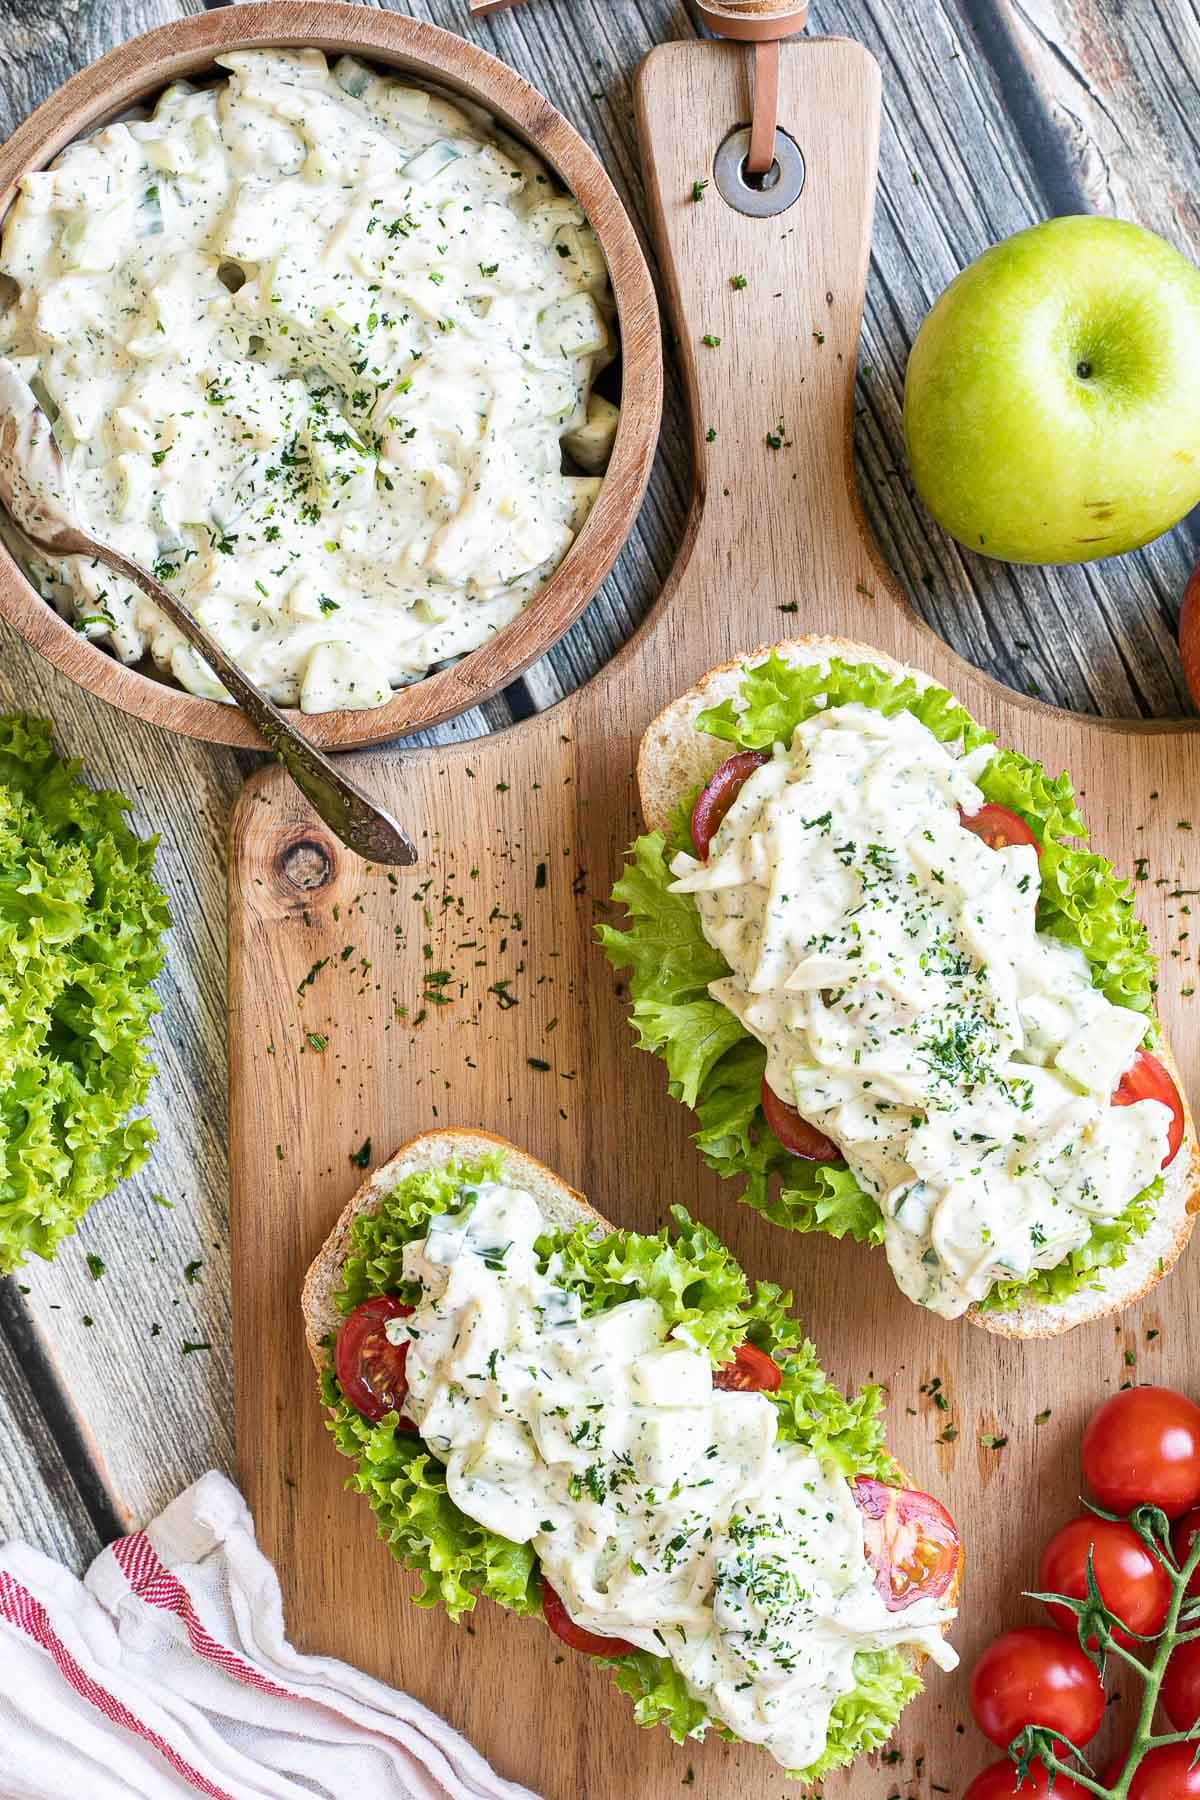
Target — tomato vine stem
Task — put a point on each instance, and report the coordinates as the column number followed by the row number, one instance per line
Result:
column 1151, row 1674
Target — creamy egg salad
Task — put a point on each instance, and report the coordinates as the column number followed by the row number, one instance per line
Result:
column 889, row 962
column 663, row 1511
column 315, row 343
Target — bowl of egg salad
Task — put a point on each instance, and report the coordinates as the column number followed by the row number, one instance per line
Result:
column 344, row 332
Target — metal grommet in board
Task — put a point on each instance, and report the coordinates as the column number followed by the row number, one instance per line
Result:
column 759, row 196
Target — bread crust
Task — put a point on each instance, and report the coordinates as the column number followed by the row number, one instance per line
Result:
column 674, row 758
column 428, row 1150
column 431, row 1150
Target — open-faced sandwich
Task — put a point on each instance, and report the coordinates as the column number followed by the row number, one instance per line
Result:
column 620, row 1434
column 904, row 1000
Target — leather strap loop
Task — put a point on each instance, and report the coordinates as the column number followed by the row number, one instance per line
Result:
column 761, row 23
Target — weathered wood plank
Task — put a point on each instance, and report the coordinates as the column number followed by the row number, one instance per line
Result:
column 39, row 1500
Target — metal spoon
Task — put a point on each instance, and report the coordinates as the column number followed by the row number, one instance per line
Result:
column 35, row 489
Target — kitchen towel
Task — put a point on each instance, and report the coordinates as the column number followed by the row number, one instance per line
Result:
column 167, row 1673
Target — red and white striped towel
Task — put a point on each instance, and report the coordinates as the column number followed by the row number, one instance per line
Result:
column 166, row 1673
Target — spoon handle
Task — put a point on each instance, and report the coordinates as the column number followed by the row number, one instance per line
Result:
column 349, row 812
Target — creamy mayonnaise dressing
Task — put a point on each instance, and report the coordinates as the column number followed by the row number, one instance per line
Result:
column 663, row 1511
column 889, row 962
column 313, row 342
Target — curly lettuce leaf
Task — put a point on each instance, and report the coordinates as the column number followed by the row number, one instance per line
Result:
column 405, row 1487
column 81, row 927
column 716, row 1067
column 863, row 1719
column 702, row 1290
column 659, row 1693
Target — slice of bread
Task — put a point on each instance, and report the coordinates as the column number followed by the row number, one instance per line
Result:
column 675, row 758
column 560, row 1204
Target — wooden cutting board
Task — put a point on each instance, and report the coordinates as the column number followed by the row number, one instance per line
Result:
column 471, row 992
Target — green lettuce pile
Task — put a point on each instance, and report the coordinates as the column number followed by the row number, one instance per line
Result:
column 698, row 1284
column 81, row 925
column 716, row 1067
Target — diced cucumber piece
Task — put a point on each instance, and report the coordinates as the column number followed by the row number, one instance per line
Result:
column 582, row 256
column 343, row 467
column 194, row 674
column 255, row 227
column 562, row 397
column 352, row 76
column 573, row 326
column 582, row 491
column 341, row 678
column 549, row 216
column 590, row 445
column 431, row 161
column 451, row 120
column 149, row 219
column 499, row 173
column 91, row 241
column 395, row 101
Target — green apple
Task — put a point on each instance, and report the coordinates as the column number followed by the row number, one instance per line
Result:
column 1052, row 402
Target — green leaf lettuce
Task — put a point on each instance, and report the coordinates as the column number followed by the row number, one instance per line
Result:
column 81, row 925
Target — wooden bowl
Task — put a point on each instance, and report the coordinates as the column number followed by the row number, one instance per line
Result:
column 137, row 71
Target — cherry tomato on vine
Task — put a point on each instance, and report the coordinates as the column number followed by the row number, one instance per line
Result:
column 1147, row 1079
column 1164, row 1774
column 1143, row 1448
column 1181, row 1687
column 999, row 1782
column 793, row 1132
column 998, row 827
column 1036, row 1676
column 563, row 1626
column 371, row 1370
column 911, row 1542
column 1186, row 1531
column 1133, row 1584
column 718, row 795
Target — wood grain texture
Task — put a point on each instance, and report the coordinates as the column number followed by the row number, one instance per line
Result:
column 523, row 836
column 39, row 1500
column 136, row 72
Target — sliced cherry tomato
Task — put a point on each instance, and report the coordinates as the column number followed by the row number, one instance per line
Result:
column 1143, row 1448
column 1182, row 1538
column 719, row 794
column 998, row 827
column 1133, row 1584
column 795, row 1133
column 1181, row 1687
column 1036, row 1676
column 1146, row 1079
column 563, row 1626
column 999, row 1782
column 371, row 1371
column 912, row 1543
column 1189, row 634
column 752, row 1371
column 1165, row 1774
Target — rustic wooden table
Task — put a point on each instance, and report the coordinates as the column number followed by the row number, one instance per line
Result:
column 116, row 1392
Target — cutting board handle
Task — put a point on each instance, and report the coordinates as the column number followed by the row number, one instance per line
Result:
column 768, row 309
